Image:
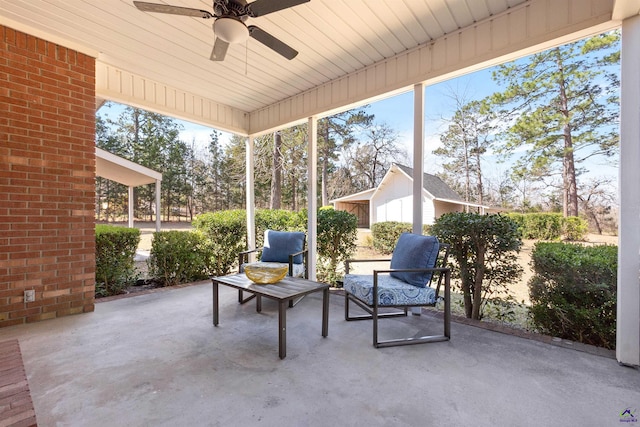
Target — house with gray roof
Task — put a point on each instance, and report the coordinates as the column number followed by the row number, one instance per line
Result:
column 392, row 200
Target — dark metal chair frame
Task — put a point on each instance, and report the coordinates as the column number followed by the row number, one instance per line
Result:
column 243, row 257
column 443, row 274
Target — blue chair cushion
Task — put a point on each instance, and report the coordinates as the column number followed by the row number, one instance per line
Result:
column 278, row 245
column 391, row 291
column 415, row 251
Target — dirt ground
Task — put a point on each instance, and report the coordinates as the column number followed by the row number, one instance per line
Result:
column 519, row 289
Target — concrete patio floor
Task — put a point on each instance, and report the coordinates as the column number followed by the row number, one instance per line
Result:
column 157, row 360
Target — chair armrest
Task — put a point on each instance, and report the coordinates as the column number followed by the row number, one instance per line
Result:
column 249, row 251
column 244, row 257
column 305, row 261
column 348, row 262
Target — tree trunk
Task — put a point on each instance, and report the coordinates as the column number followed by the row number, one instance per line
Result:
column 594, row 218
column 467, row 178
column 276, row 176
column 570, row 199
column 325, row 178
column 477, row 284
column 480, row 186
column 294, row 193
column 466, row 289
column 572, row 187
column 325, row 167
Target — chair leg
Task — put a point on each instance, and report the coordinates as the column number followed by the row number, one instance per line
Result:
column 375, row 325
column 375, row 315
column 447, row 306
column 346, row 306
column 350, row 298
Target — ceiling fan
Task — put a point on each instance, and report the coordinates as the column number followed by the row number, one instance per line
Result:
column 229, row 22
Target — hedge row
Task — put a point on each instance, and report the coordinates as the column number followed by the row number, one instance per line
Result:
column 550, row 226
column 178, row 257
column 115, row 250
column 385, row 235
column 212, row 249
column 573, row 292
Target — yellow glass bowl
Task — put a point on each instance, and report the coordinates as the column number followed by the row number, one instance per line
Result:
column 264, row 273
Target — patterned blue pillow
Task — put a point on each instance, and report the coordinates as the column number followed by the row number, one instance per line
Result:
column 278, row 245
column 415, row 251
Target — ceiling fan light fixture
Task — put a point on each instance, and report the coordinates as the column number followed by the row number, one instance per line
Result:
column 230, row 30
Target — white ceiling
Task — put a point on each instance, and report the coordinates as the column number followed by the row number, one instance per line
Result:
column 335, row 38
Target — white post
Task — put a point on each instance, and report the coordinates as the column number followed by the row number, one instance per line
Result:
column 312, row 188
column 628, row 314
column 418, row 163
column 250, row 197
column 158, row 210
column 418, row 156
column 130, row 207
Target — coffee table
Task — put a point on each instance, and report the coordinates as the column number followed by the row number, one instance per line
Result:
column 283, row 291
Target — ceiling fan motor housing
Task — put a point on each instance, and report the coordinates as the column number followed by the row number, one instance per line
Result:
column 229, row 25
column 229, row 8
column 231, row 30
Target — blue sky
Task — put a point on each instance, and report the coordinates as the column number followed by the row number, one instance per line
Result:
column 397, row 112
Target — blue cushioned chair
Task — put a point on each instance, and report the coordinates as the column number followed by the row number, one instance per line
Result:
column 282, row 247
column 417, row 263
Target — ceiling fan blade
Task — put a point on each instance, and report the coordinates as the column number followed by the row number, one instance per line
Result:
column 263, row 7
column 219, row 50
column 272, row 42
column 173, row 10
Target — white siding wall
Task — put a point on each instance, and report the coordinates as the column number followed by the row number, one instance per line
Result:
column 442, row 208
column 428, row 211
column 394, row 202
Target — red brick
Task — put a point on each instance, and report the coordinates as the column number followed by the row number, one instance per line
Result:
column 47, row 168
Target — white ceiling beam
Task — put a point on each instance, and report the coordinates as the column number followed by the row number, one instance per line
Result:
column 623, row 9
column 522, row 30
column 125, row 87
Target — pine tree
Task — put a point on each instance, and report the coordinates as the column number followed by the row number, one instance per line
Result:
column 562, row 106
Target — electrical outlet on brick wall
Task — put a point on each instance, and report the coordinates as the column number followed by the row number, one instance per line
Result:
column 29, row 295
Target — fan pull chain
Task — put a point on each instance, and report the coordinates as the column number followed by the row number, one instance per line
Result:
column 246, row 58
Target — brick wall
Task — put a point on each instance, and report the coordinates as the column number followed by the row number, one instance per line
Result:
column 47, row 173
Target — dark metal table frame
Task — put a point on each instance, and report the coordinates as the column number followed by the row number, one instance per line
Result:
column 283, row 291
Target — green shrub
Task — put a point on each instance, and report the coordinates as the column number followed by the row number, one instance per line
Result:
column 280, row 220
column 550, row 226
column 518, row 218
column 573, row 292
column 485, row 248
column 178, row 257
column 337, row 235
column 115, row 252
column 574, row 228
column 225, row 236
column 386, row 234
column 543, row 226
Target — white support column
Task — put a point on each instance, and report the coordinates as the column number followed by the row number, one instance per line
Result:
column 418, row 163
column 251, row 205
column 158, row 209
column 130, row 207
column 418, row 156
column 312, row 188
column 628, row 315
